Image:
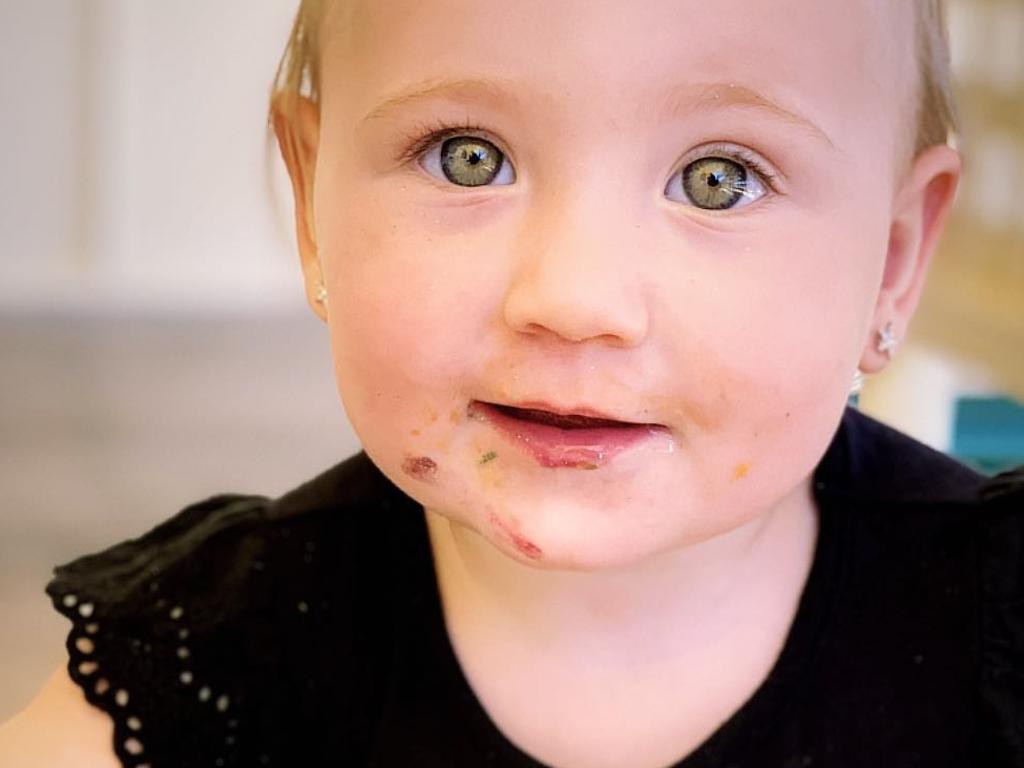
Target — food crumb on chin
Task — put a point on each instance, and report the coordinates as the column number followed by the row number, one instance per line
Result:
column 740, row 471
column 420, row 467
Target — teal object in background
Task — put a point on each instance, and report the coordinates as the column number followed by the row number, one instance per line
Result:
column 988, row 433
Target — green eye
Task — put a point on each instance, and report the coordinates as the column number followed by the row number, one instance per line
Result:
column 719, row 184
column 470, row 162
column 714, row 183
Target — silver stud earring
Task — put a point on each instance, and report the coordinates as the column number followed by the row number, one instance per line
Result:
column 321, row 294
column 887, row 340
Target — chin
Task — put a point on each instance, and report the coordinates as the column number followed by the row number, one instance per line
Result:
column 563, row 534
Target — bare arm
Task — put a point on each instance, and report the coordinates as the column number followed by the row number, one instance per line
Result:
column 58, row 729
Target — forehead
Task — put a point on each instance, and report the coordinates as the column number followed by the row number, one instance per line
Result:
column 846, row 65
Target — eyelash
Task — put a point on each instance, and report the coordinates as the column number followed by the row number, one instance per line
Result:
column 743, row 157
column 428, row 134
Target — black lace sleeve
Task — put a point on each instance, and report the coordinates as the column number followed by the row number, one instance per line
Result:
column 147, row 639
column 1001, row 690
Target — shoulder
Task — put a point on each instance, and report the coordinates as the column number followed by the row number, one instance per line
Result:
column 1001, row 522
column 197, row 634
column 130, row 636
column 1001, row 562
column 921, row 513
column 928, row 565
column 873, row 461
column 216, row 544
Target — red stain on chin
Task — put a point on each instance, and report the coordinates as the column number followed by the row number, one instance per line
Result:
column 523, row 544
column 419, row 467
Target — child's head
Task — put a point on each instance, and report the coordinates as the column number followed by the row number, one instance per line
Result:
column 673, row 212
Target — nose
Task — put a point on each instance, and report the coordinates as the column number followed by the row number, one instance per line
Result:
column 577, row 277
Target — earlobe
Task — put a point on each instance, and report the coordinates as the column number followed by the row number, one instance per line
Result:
column 920, row 211
column 296, row 122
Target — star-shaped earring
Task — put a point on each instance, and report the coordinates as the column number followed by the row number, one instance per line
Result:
column 887, row 340
column 321, row 294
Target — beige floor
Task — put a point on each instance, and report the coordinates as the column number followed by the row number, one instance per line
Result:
column 109, row 425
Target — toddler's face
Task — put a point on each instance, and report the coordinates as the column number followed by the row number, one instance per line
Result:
column 555, row 252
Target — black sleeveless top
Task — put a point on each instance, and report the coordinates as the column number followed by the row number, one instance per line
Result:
column 307, row 630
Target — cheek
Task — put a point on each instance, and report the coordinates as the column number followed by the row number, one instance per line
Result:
column 389, row 353
column 404, row 329
column 792, row 310
column 765, row 343
column 779, row 322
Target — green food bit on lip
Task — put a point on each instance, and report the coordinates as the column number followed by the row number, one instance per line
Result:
column 487, row 457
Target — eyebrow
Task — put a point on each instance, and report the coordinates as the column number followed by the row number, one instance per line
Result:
column 490, row 91
column 681, row 99
column 684, row 99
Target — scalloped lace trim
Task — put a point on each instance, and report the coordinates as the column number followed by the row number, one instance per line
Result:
column 105, row 691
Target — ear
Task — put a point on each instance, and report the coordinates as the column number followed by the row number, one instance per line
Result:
column 296, row 121
column 920, row 209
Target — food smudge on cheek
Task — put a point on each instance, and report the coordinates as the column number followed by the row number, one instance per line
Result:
column 420, row 467
column 740, row 471
column 489, row 469
column 523, row 544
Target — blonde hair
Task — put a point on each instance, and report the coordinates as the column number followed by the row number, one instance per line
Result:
column 299, row 68
column 937, row 120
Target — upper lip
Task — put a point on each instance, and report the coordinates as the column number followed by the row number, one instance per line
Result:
column 575, row 410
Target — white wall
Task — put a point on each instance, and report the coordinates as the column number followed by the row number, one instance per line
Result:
column 39, row 140
column 133, row 143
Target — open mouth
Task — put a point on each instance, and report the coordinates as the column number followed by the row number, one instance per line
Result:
column 553, row 439
column 563, row 421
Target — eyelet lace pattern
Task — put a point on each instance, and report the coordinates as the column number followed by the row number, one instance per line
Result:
column 141, row 614
column 244, row 631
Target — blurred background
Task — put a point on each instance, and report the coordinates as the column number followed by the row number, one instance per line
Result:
column 155, row 345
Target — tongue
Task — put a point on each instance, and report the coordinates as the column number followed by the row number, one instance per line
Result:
column 570, row 421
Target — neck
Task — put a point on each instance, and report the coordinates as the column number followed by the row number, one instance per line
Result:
column 666, row 602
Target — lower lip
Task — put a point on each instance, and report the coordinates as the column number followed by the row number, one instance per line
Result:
column 550, row 446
